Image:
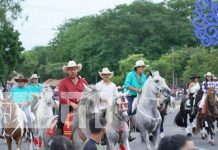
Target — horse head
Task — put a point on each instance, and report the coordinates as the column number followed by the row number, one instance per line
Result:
column 8, row 109
column 159, row 85
column 47, row 94
column 120, row 107
column 211, row 96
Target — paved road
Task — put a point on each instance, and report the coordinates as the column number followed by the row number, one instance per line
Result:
column 170, row 129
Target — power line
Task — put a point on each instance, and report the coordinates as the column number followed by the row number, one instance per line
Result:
column 56, row 9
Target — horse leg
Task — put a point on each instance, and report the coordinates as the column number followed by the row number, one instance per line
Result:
column 126, row 143
column 19, row 143
column 145, row 139
column 9, row 142
column 185, row 116
column 161, row 127
column 203, row 128
column 125, row 140
column 210, row 131
column 156, row 139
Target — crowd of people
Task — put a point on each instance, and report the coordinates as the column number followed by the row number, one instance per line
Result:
column 72, row 86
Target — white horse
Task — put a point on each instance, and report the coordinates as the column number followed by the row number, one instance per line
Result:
column 44, row 112
column 117, row 129
column 147, row 118
column 90, row 103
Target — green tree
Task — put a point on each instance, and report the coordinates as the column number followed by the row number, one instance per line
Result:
column 10, row 52
column 126, row 65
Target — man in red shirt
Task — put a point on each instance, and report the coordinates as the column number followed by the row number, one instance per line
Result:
column 69, row 92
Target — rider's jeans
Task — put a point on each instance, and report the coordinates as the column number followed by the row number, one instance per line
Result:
column 130, row 101
column 27, row 113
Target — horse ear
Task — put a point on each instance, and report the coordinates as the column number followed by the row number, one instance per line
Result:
column 150, row 73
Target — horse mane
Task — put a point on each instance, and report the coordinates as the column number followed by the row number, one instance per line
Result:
column 210, row 95
column 89, row 98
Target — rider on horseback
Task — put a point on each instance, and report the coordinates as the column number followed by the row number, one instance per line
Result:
column 69, row 93
column 20, row 94
column 206, row 84
column 193, row 89
column 35, row 87
column 134, row 83
column 107, row 89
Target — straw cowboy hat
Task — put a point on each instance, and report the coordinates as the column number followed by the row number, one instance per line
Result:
column 72, row 64
column 209, row 74
column 195, row 76
column 20, row 78
column 106, row 71
column 34, row 76
column 215, row 78
column 139, row 63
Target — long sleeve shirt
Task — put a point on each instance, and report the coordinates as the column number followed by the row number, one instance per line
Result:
column 206, row 85
column 132, row 80
column 107, row 91
column 69, row 92
column 194, row 88
column 216, row 87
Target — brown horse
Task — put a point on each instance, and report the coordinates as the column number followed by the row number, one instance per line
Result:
column 208, row 115
column 13, row 123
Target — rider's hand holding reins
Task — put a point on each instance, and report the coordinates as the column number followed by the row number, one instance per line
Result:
column 73, row 105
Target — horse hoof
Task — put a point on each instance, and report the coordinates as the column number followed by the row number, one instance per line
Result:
column 189, row 135
column 211, row 143
column 193, row 130
column 203, row 137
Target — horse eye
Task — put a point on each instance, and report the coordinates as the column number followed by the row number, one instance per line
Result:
column 157, row 81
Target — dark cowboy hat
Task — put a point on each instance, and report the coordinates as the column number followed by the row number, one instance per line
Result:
column 195, row 76
column 20, row 78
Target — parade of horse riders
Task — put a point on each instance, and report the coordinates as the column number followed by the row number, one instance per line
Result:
column 108, row 75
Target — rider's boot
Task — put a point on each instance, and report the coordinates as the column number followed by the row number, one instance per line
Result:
column 59, row 131
column 130, row 137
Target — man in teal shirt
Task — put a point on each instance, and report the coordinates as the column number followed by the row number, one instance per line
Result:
column 134, row 82
column 35, row 87
column 133, row 85
column 20, row 93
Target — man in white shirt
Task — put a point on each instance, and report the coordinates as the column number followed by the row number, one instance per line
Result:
column 108, row 90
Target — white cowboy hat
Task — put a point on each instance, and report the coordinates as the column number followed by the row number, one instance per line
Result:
column 34, row 76
column 139, row 63
column 106, row 71
column 215, row 78
column 209, row 74
column 72, row 64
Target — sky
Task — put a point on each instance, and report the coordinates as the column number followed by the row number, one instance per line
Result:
column 44, row 16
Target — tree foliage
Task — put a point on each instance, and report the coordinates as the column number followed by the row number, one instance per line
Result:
column 117, row 37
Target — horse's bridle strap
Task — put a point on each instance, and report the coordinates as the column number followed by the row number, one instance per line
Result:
column 81, row 135
column 153, row 119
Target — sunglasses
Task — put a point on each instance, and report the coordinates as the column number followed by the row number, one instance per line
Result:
column 19, row 81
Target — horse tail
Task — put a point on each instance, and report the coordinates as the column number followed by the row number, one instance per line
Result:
column 198, row 126
column 179, row 119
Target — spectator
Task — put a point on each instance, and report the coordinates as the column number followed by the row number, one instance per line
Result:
column 61, row 143
column 176, row 142
column 96, row 124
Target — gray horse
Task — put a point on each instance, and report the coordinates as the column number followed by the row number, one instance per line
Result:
column 147, row 118
column 90, row 103
column 117, row 129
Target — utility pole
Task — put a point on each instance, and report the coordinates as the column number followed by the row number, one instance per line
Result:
column 173, row 72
